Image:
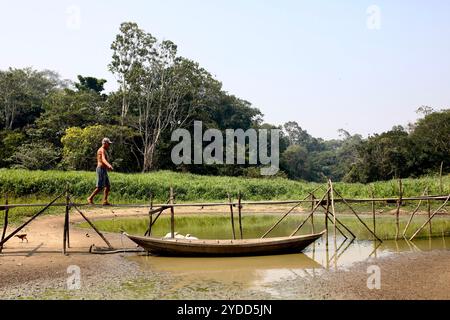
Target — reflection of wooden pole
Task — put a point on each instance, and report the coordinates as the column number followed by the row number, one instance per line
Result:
column 172, row 214
column 5, row 224
column 240, row 214
column 232, row 216
column 397, row 214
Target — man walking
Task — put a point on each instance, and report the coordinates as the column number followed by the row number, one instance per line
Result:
column 102, row 173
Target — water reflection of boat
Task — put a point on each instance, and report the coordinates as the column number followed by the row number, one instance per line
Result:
column 214, row 248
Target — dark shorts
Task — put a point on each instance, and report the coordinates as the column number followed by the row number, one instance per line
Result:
column 102, row 178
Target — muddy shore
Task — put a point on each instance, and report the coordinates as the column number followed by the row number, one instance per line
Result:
column 38, row 270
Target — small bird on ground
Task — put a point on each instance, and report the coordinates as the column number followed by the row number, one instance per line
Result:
column 22, row 237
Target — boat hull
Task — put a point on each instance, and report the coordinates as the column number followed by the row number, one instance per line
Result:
column 216, row 248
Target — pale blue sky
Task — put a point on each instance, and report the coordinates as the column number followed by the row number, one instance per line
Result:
column 315, row 62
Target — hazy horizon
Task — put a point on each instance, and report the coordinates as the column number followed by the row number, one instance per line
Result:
column 323, row 64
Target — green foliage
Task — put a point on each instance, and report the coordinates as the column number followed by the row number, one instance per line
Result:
column 22, row 92
column 80, row 147
column 9, row 142
column 36, row 156
column 65, row 109
column 90, row 83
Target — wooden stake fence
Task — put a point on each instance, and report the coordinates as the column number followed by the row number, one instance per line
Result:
column 327, row 202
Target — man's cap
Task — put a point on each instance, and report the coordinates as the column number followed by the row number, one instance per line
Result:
column 106, row 140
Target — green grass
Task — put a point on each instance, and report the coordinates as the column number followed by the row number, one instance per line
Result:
column 219, row 226
column 25, row 186
column 189, row 187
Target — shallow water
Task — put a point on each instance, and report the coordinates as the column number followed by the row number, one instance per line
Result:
column 258, row 273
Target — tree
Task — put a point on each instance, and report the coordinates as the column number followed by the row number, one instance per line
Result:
column 80, row 146
column 21, row 94
column 90, row 83
column 431, row 135
column 130, row 48
column 36, row 156
column 64, row 109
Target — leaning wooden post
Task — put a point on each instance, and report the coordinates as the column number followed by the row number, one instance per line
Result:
column 356, row 214
column 66, row 223
column 431, row 217
column 397, row 214
column 151, row 215
column 326, row 213
column 240, row 214
column 332, row 208
column 312, row 216
column 5, row 224
column 172, row 214
column 232, row 216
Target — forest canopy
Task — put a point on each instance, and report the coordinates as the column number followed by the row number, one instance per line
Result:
column 50, row 123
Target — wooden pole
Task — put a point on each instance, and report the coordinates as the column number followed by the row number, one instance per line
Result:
column 343, row 225
column 312, row 216
column 93, row 227
column 282, row 218
column 172, row 214
column 240, row 214
column 431, row 217
column 354, row 212
column 150, row 216
column 415, row 211
column 66, row 222
column 29, row 220
column 5, row 223
column 326, row 214
column 397, row 213
column 372, row 193
column 312, row 212
column 429, row 212
column 332, row 208
column 232, row 216
column 441, row 189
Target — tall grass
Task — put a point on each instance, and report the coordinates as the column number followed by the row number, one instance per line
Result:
column 25, row 186
column 190, row 187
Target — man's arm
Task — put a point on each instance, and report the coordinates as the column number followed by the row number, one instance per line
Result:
column 104, row 161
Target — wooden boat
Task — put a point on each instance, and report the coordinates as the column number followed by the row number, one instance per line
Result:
column 214, row 248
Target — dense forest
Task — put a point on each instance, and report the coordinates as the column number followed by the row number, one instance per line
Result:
column 50, row 123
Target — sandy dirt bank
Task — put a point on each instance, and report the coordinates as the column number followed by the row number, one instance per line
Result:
column 38, row 270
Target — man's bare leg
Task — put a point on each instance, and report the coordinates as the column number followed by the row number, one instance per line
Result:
column 105, row 196
column 91, row 197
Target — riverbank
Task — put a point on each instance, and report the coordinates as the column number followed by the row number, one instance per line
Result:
column 42, row 273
